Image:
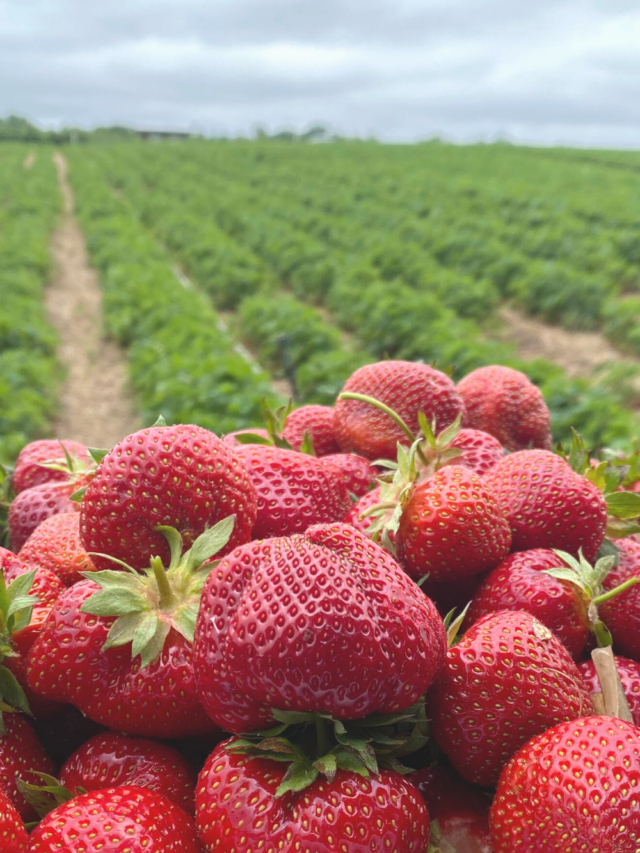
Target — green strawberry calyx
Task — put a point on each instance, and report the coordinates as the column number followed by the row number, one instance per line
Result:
column 589, row 579
column 315, row 744
column 274, row 421
column 148, row 605
column 48, row 796
column 16, row 608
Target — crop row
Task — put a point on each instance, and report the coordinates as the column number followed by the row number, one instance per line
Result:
column 182, row 364
column 29, row 372
column 385, row 315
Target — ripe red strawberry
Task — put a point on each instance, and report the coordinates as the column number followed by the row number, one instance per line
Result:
column 621, row 615
column 56, row 545
column 123, row 820
column 318, row 422
column 181, row 476
column 13, row 835
column 458, row 812
column 520, row 583
column 120, row 648
column 21, row 754
column 451, row 527
column 403, row 386
column 325, row 621
column 508, row 679
column 110, row 760
column 236, row 801
column 294, row 490
column 547, row 504
column 359, row 474
column 572, row 788
column 629, row 671
column 504, row 403
column 32, row 469
column 366, row 502
column 480, row 451
column 33, row 506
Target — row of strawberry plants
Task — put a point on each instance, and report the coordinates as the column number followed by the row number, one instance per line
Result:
column 182, row 364
column 388, row 318
column 29, row 371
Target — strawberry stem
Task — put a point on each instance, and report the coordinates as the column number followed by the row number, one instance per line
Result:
column 167, row 598
column 395, row 417
column 606, row 596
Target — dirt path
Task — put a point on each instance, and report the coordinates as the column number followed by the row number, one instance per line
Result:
column 96, row 405
column 579, row 353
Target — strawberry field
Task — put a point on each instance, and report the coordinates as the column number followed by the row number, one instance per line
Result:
column 396, row 613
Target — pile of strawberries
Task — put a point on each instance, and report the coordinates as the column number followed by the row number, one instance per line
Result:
column 382, row 627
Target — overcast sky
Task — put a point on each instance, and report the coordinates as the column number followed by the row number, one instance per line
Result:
column 546, row 71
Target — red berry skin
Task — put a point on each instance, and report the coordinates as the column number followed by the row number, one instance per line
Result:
column 452, row 527
column 572, row 788
column 504, row 403
column 629, row 671
column 56, row 545
column 359, row 474
column 294, row 490
column 128, row 819
column 318, row 422
column 507, row 680
column 458, row 812
column 547, row 504
column 519, row 583
column 407, row 388
column 21, row 754
column 66, row 663
column 236, row 805
column 111, row 760
column 33, row 506
column 181, row 476
column 325, row 621
column 29, row 470
column 480, row 451
column 13, row 835
column 362, row 505
column 621, row 614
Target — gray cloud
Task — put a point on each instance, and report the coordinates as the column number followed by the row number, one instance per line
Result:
column 557, row 70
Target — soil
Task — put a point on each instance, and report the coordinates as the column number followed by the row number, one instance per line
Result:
column 96, row 405
column 579, row 353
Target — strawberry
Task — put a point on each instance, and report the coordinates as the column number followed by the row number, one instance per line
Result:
column 403, row 386
column 33, row 506
column 325, row 621
column 458, row 812
column 56, row 545
column 478, row 450
column 451, row 527
column 123, row 820
column 622, row 614
column 21, row 754
column 110, row 760
column 355, row 514
column 572, row 788
column 119, row 646
column 295, row 490
column 508, row 679
column 520, row 583
column 317, row 421
column 629, row 671
column 47, row 461
column 504, row 403
column 237, row 800
column 13, row 835
column 182, row 476
column 547, row 504
column 359, row 474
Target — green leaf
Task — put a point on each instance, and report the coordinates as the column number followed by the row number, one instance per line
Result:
column 110, row 579
column 21, row 585
column 450, row 433
column 307, row 445
column 608, row 549
column 300, row 774
column 78, row 495
column 597, row 475
column 115, row 602
column 578, row 457
column 566, row 574
column 347, row 760
column 144, row 633
column 44, row 798
column 154, row 647
column 292, row 717
column 327, row 765
column 618, row 528
column 426, row 429
column 455, row 625
column 623, row 504
column 22, row 602
column 252, row 438
column 97, row 454
column 123, row 630
column 184, row 619
column 160, row 422
column 11, row 692
column 175, row 542
column 212, row 541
